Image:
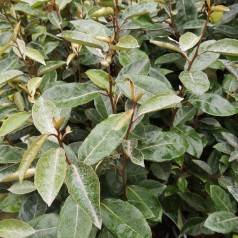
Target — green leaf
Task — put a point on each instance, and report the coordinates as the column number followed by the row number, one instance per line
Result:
column 84, row 187
column 196, row 81
column 50, row 174
column 184, row 114
column 73, row 221
column 221, row 198
column 194, row 200
column 50, row 66
column 225, row 47
column 30, row 155
column 62, row 3
column 10, row 154
column 82, row 39
column 9, row 75
column 161, row 146
column 23, row 188
column 140, row 8
column 159, row 102
column 126, row 42
column 145, row 85
column 123, row 220
column 204, row 166
column 11, row 228
column 34, row 55
column 45, row 226
column 99, row 77
column 231, row 139
column 145, row 201
column 187, row 41
column 214, row 104
column 221, row 222
column 161, row 170
column 71, row 94
column 13, row 122
column 233, row 191
column 43, row 113
column 104, row 138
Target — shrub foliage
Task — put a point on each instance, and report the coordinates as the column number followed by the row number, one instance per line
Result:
column 118, row 118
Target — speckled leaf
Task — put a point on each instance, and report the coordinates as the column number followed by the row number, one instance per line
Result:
column 214, row 104
column 145, row 201
column 13, row 122
column 50, row 66
column 71, row 94
column 8, row 75
column 10, row 154
column 187, row 41
column 159, row 102
column 73, row 221
column 225, row 47
column 197, row 82
column 11, row 228
column 104, row 138
column 82, row 39
column 43, row 113
column 161, row 146
column 30, row 155
column 124, row 220
column 50, row 174
column 143, row 84
column 222, row 222
column 233, row 191
column 23, row 188
column 221, row 198
column 84, row 187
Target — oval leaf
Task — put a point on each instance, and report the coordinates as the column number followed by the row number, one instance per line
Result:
column 23, row 188
column 9, row 75
column 225, row 47
column 34, row 55
column 43, row 113
column 13, row 122
column 187, row 41
column 73, row 221
column 197, row 82
column 50, row 66
column 159, row 102
column 50, row 174
column 11, row 228
column 84, row 186
column 124, row 220
column 125, row 43
column 71, row 94
column 30, row 155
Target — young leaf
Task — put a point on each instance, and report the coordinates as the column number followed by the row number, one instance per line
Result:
column 50, row 174
column 187, row 41
column 71, row 94
column 104, row 138
column 99, row 77
column 34, row 55
column 50, row 66
column 197, row 82
column 30, row 155
column 126, row 43
column 231, row 139
column 222, row 222
column 11, row 228
column 10, row 154
column 84, row 187
column 159, row 102
column 13, row 122
column 221, row 198
column 73, row 221
column 214, row 104
column 123, row 220
column 9, row 75
column 225, row 47
column 23, row 188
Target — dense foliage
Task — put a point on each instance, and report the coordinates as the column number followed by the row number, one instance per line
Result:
column 118, row 118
